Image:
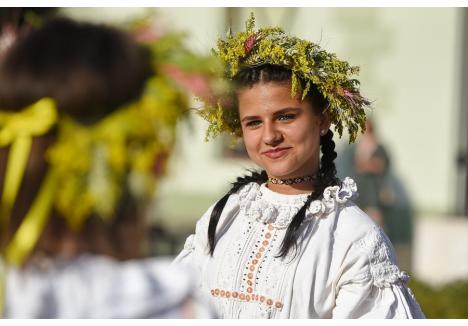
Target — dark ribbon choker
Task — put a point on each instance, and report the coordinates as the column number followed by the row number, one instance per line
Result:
column 292, row 181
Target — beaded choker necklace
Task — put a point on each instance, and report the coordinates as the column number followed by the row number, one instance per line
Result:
column 292, row 181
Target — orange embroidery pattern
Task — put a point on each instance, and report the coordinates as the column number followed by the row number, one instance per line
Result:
column 250, row 295
column 246, row 297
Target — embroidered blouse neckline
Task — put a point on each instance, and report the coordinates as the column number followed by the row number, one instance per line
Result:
column 279, row 198
column 260, row 203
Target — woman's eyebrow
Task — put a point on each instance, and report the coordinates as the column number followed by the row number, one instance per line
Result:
column 250, row 118
column 276, row 113
column 287, row 110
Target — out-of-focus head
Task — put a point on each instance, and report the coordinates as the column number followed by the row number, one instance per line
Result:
column 89, row 70
column 87, row 120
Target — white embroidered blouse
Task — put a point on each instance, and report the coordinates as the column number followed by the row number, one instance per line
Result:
column 344, row 266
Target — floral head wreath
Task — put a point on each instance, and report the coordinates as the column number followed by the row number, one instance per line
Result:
column 308, row 63
column 89, row 165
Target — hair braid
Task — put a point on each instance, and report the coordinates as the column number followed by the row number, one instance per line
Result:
column 258, row 177
column 327, row 164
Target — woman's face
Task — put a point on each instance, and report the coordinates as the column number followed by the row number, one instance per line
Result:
column 281, row 133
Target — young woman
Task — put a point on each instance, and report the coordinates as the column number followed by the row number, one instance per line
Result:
column 288, row 241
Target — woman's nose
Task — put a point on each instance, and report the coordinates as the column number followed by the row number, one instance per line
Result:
column 271, row 135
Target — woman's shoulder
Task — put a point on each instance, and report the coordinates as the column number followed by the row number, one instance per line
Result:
column 355, row 228
column 353, row 221
column 227, row 212
column 360, row 235
column 351, row 224
column 359, row 238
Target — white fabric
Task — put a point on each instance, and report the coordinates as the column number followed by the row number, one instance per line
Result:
column 92, row 286
column 344, row 267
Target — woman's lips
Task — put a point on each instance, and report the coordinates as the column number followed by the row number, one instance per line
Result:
column 276, row 153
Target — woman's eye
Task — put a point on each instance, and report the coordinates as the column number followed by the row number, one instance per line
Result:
column 286, row 117
column 253, row 123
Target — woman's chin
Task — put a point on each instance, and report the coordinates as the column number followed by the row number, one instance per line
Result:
column 278, row 173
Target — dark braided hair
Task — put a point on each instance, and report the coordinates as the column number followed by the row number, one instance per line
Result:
column 248, row 77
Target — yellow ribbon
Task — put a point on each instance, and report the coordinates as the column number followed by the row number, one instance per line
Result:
column 17, row 130
column 34, row 120
column 33, row 224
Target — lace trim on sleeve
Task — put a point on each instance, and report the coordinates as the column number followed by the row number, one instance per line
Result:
column 383, row 268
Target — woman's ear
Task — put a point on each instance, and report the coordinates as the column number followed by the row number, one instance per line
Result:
column 325, row 121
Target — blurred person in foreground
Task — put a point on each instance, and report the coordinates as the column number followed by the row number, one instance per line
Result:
column 87, row 120
column 288, row 241
column 382, row 196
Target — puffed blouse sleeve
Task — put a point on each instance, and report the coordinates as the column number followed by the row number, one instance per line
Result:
column 193, row 257
column 371, row 285
column 195, row 253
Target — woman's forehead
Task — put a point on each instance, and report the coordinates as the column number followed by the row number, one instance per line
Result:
column 266, row 97
column 272, row 90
